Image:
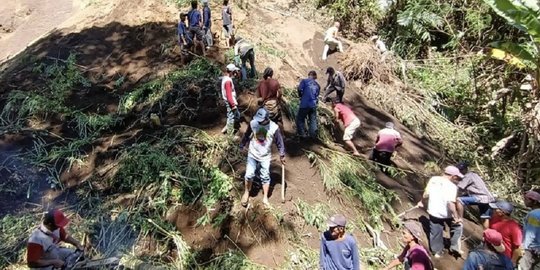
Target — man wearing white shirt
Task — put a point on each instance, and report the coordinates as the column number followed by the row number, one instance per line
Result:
column 331, row 40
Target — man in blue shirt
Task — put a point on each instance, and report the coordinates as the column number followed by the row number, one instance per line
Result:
column 490, row 255
column 308, row 91
column 338, row 250
column 195, row 23
column 207, row 24
column 531, row 232
column 184, row 39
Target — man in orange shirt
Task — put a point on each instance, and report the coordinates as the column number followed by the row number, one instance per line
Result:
column 510, row 230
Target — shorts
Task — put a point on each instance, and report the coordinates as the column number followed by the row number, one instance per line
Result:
column 264, row 170
column 348, row 134
column 484, row 209
column 227, row 30
column 273, row 108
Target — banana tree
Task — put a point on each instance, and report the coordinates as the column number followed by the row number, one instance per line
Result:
column 525, row 16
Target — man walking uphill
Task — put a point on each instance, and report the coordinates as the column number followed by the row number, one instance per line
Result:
column 331, row 40
column 244, row 50
column 269, row 91
column 336, row 82
column 228, row 94
column 388, row 139
column 350, row 122
column 308, row 91
column 260, row 134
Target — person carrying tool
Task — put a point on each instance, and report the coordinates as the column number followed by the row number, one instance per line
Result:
column 441, row 193
column 490, row 255
column 269, row 93
column 475, row 193
column 331, row 40
column 260, row 134
column 43, row 251
column 243, row 50
column 195, row 25
column 184, row 38
column 228, row 93
column 531, row 232
column 338, row 250
column 226, row 17
column 336, row 82
column 308, row 91
column 388, row 139
column 414, row 256
column 207, row 24
column 350, row 122
column 510, row 229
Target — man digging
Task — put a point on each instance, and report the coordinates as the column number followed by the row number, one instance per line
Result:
column 260, row 134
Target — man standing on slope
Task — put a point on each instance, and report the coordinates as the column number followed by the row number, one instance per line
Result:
column 260, row 134
column 207, row 24
column 441, row 193
column 350, row 122
column 43, row 251
column 184, row 39
column 226, row 17
column 243, row 50
column 336, row 82
column 331, row 40
column 338, row 250
column 388, row 139
column 490, row 255
column 476, row 193
column 308, row 91
column 510, row 230
column 269, row 91
column 195, row 24
column 531, row 232
column 228, row 94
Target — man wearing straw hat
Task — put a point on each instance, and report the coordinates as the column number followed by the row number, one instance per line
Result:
column 414, row 255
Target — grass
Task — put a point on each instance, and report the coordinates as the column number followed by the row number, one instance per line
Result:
column 14, row 232
column 314, row 215
column 88, row 125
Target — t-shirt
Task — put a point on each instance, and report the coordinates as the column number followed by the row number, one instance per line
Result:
column 43, row 244
column 242, row 47
column 510, row 231
column 531, row 230
column 345, row 114
column 441, row 191
column 331, row 33
column 338, row 255
column 337, row 81
column 260, row 139
column 473, row 184
column 416, row 257
column 268, row 89
column 388, row 139
column 194, row 17
column 227, row 91
column 380, row 45
column 489, row 260
column 226, row 15
column 308, row 91
column 207, row 15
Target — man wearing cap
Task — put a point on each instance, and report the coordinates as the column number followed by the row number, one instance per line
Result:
column 338, row 249
column 475, row 192
column 531, row 232
column 260, row 134
column 228, row 94
column 336, row 82
column 244, row 51
column 510, row 230
column 414, row 256
column 331, row 40
column 350, row 122
column 43, row 251
column 308, row 91
column 269, row 93
column 388, row 139
column 490, row 255
column 441, row 193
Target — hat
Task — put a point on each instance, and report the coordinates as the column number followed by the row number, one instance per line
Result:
column 532, row 195
column 261, row 115
column 453, row 171
column 330, row 70
column 337, row 220
column 389, row 125
column 414, row 229
column 57, row 217
column 503, row 205
column 205, row 2
column 494, row 238
column 232, row 67
column 463, row 166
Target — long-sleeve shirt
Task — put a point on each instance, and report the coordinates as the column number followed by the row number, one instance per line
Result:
column 338, row 255
column 228, row 92
column 207, row 16
column 488, row 260
column 308, row 91
column 337, row 81
column 416, row 257
column 260, row 138
column 531, row 230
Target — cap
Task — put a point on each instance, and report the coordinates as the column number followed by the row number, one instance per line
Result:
column 58, row 217
column 503, row 205
column 337, row 220
column 414, row 229
column 533, row 195
column 261, row 115
column 330, row 70
column 463, row 166
column 232, row 67
column 494, row 238
column 453, row 171
column 389, row 125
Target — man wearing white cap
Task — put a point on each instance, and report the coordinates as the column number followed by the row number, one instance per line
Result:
column 338, row 250
column 228, row 93
column 260, row 134
column 490, row 255
column 441, row 193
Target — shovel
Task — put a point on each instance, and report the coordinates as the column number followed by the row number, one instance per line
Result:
column 282, row 183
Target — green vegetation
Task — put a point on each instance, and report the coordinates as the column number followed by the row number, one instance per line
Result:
column 314, row 215
column 14, row 231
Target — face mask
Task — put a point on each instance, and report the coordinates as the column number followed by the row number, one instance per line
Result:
column 261, row 134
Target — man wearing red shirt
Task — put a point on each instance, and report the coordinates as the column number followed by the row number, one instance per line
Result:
column 269, row 92
column 43, row 251
column 507, row 227
column 350, row 122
